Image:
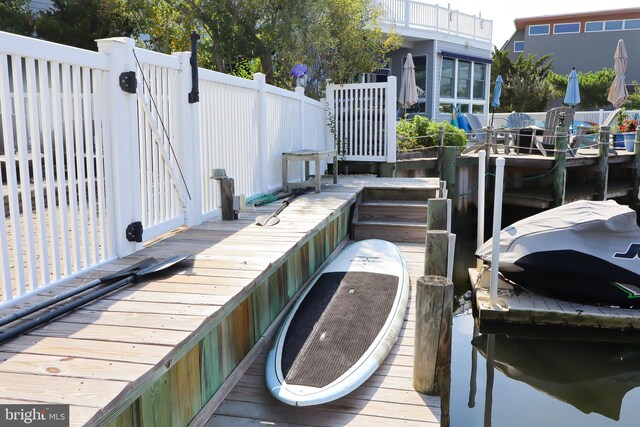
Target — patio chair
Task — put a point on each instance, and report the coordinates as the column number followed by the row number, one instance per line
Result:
column 583, row 139
column 478, row 136
column 519, row 120
column 546, row 141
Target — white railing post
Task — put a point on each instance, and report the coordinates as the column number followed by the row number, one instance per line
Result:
column 407, row 12
column 263, row 134
column 330, row 115
column 390, row 118
column 481, row 199
column 302, row 136
column 495, row 236
column 122, row 147
column 187, row 142
column 600, row 116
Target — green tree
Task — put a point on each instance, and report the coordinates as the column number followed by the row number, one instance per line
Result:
column 594, row 87
column 16, row 17
column 80, row 22
column 633, row 103
column 525, row 86
column 336, row 39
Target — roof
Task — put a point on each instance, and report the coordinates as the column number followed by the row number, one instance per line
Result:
column 602, row 15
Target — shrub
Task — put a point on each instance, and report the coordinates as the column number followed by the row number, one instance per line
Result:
column 422, row 132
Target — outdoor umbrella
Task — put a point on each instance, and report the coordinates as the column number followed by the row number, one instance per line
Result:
column 618, row 93
column 572, row 96
column 408, row 90
column 497, row 91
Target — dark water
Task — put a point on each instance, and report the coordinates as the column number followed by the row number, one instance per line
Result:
column 536, row 381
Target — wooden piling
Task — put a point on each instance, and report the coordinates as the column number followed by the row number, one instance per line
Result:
column 448, row 167
column 226, row 195
column 436, row 253
column 432, row 351
column 437, row 214
column 603, row 163
column 560, row 171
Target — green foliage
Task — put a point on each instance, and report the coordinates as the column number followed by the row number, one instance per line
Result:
column 422, row 132
column 633, row 103
column 336, row 39
column 16, row 17
column 594, row 87
column 80, row 22
column 525, row 87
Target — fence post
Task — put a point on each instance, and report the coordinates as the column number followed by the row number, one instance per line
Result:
column 603, row 163
column 122, row 148
column 263, row 134
column 188, row 142
column 302, row 132
column 390, row 118
column 560, row 172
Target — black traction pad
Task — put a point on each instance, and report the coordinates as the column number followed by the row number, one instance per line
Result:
column 335, row 324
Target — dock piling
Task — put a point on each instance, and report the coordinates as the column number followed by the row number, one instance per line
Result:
column 481, row 198
column 495, row 235
column 560, row 172
column 603, row 163
column 432, row 351
column 636, row 175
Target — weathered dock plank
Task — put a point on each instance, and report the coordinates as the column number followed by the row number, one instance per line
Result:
column 170, row 342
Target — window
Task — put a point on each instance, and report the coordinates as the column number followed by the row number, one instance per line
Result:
column 612, row 25
column 478, row 80
column 572, row 27
column 518, row 46
column 464, row 80
column 632, row 24
column 447, row 78
column 463, row 83
column 420, row 63
column 593, row 26
column 538, row 30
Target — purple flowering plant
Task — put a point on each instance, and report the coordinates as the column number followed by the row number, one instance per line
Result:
column 299, row 71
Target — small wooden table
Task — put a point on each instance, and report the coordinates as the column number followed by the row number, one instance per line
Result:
column 308, row 156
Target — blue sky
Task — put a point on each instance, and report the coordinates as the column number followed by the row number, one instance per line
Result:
column 504, row 12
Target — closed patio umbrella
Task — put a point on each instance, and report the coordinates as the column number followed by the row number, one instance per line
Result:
column 497, row 91
column 572, row 96
column 408, row 90
column 618, row 93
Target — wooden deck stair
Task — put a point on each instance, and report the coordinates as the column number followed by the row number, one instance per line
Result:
column 398, row 215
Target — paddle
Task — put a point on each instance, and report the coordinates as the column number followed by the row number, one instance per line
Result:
column 134, row 276
column 132, row 269
column 272, row 219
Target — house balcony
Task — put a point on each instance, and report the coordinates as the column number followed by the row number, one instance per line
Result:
column 416, row 20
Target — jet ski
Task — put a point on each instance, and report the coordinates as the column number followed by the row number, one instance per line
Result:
column 585, row 251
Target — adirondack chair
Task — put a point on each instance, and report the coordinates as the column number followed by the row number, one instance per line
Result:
column 546, row 141
column 582, row 139
column 477, row 136
column 519, row 120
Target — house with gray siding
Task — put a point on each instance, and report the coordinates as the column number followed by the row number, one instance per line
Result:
column 451, row 51
column 586, row 41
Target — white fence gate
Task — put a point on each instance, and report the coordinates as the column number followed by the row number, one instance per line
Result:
column 80, row 158
column 362, row 120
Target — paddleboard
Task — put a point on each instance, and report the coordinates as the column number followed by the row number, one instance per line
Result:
column 342, row 327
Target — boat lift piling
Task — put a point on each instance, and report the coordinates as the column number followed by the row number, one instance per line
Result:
column 481, row 198
column 495, row 235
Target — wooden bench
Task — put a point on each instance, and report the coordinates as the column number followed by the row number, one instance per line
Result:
column 308, row 156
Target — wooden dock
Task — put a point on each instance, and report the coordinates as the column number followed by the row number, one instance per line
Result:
column 167, row 351
column 386, row 399
column 519, row 306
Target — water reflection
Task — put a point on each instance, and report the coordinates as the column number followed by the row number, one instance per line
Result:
column 591, row 376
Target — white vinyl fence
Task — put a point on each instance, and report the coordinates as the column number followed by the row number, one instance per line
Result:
column 362, row 120
column 81, row 158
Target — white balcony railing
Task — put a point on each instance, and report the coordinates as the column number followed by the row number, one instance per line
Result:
column 418, row 15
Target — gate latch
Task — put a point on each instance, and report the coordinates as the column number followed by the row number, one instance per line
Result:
column 128, row 81
column 134, row 232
